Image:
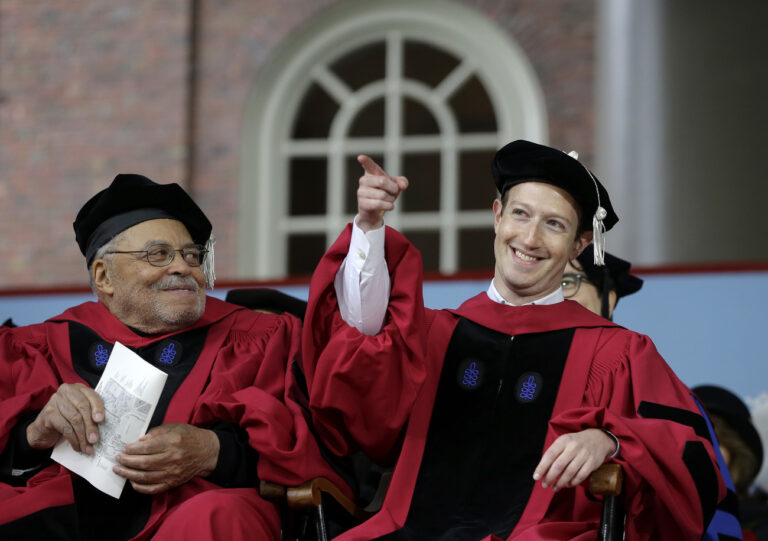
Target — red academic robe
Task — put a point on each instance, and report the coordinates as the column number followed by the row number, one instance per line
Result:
column 240, row 378
column 377, row 392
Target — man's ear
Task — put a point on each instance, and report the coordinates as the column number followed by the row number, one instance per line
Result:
column 101, row 277
column 613, row 300
column 581, row 242
column 498, row 206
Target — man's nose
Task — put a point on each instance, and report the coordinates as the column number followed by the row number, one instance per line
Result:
column 532, row 234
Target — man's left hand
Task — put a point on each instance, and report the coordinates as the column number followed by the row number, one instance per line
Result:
column 167, row 456
column 573, row 457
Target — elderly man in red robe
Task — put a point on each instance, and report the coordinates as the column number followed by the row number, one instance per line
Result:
column 494, row 414
column 223, row 420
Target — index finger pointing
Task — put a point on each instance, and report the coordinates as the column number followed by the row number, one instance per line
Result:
column 370, row 166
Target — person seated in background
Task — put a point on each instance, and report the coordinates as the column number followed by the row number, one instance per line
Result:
column 739, row 441
column 496, row 412
column 222, row 421
column 742, row 452
column 598, row 288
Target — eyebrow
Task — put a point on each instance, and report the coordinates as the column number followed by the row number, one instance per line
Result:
column 527, row 206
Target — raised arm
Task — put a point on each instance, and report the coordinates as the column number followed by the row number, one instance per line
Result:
column 362, row 384
column 362, row 282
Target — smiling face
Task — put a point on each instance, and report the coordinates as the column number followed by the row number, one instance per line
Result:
column 151, row 299
column 536, row 234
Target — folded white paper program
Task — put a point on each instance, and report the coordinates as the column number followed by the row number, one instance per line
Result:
column 130, row 388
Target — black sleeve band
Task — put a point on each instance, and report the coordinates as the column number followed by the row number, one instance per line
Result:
column 652, row 410
column 701, row 469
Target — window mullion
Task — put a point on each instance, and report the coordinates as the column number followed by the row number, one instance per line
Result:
column 335, row 203
column 449, row 243
column 455, row 79
column 393, row 112
column 335, row 87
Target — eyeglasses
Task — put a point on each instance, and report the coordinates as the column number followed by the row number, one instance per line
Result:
column 161, row 255
column 571, row 283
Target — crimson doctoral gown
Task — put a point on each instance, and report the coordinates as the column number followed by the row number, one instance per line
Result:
column 239, row 377
column 377, row 393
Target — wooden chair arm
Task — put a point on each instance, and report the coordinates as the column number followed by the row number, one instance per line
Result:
column 310, row 494
column 607, row 480
column 271, row 491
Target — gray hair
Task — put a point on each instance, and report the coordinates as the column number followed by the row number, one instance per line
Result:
column 101, row 253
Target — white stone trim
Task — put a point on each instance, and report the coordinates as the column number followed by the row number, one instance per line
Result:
column 483, row 49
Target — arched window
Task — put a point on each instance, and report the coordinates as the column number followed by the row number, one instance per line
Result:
column 430, row 90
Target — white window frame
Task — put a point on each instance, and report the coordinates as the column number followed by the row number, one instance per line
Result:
column 483, row 50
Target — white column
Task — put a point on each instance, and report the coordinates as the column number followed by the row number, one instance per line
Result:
column 630, row 127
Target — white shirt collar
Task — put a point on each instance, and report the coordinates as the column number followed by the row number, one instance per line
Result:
column 553, row 298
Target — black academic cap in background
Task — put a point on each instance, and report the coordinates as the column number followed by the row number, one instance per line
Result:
column 732, row 410
column 613, row 275
column 267, row 299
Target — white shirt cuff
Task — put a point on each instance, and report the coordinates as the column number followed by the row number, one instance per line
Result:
column 362, row 282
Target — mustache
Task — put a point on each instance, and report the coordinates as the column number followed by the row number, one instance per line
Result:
column 172, row 282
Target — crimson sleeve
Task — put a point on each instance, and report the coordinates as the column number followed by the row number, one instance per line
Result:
column 362, row 387
column 672, row 482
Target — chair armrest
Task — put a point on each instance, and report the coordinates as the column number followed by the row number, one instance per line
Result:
column 271, row 491
column 310, row 494
column 607, row 480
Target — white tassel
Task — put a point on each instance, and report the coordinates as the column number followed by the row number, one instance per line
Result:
column 598, row 227
column 598, row 238
column 208, row 263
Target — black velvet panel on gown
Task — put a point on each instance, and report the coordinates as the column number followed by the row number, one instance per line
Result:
column 486, row 434
column 100, row 516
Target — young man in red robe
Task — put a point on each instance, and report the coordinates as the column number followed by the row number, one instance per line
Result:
column 222, row 422
column 494, row 414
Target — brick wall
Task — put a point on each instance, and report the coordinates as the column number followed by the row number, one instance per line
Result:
column 90, row 88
